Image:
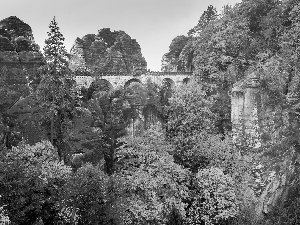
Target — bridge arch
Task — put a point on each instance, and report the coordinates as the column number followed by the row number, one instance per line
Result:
column 186, row 80
column 99, row 85
column 127, row 83
column 168, row 82
column 103, row 85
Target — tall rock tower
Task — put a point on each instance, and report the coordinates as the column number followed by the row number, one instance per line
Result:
column 245, row 113
column 20, row 59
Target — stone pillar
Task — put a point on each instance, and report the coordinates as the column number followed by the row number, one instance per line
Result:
column 245, row 103
column 252, row 107
column 237, row 115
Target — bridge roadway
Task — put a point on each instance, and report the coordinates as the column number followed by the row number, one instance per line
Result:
column 122, row 80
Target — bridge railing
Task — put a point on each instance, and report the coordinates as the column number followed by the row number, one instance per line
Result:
column 147, row 73
column 168, row 73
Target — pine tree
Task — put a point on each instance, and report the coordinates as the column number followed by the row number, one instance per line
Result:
column 56, row 91
column 54, row 51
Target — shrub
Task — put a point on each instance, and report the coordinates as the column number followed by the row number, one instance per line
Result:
column 214, row 200
column 86, row 196
column 5, row 44
column 31, row 178
column 23, row 44
column 152, row 185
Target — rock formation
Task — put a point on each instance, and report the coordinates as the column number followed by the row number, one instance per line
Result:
column 246, row 101
column 106, row 52
column 283, row 186
column 19, row 61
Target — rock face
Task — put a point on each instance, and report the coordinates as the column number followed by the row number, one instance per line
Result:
column 283, row 189
column 283, row 186
column 19, row 61
column 246, row 101
column 106, row 52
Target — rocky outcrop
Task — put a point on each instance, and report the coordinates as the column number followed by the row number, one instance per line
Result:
column 20, row 59
column 107, row 52
column 283, row 187
column 282, row 165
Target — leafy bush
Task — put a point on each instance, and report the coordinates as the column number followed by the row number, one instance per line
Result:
column 214, row 200
column 31, row 178
column 23, row 44
column 86, row 196
column 5, row 44
column 152, row 184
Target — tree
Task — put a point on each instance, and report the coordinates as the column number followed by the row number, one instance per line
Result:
column 207, row 16
column 86, row 196
column 56, row 90
column 54, row 50
column 171, row 59
column 31, row 180
column 215, row 199
column 107, row 112
column 152, row 185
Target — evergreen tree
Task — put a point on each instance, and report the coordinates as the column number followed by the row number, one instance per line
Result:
column 54, row 51
column 56, row 91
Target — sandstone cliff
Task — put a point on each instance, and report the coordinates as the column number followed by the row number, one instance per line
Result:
column 20, row 59
column 252, row 123
column 107, row 52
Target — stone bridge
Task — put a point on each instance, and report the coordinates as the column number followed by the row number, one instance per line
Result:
column 122, row 80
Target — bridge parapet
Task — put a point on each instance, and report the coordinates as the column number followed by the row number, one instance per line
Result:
column 117, row 79
column 152, row 73
column 168, row 73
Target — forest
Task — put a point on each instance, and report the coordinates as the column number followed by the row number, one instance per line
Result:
column 67, row 155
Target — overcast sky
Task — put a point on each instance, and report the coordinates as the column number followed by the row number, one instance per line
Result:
column 153, row 23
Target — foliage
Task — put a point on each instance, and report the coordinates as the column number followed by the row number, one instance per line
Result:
column 181, row 52
column 152, row 183
column 171, row 60
column 189, row 116
column 56, row 90
column 54, row 50
column 131, row 52
column 107, row 112
column 215, row 198
column 31, row 179
column 23, row 44
column 189, row 110
column 86, row 197
column 207, row 16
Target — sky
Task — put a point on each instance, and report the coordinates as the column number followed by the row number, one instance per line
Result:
column 153, row 23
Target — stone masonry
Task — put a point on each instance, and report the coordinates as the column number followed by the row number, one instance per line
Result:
column 115, row 81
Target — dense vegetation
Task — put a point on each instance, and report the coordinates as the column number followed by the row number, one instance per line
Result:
column 178, row 164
